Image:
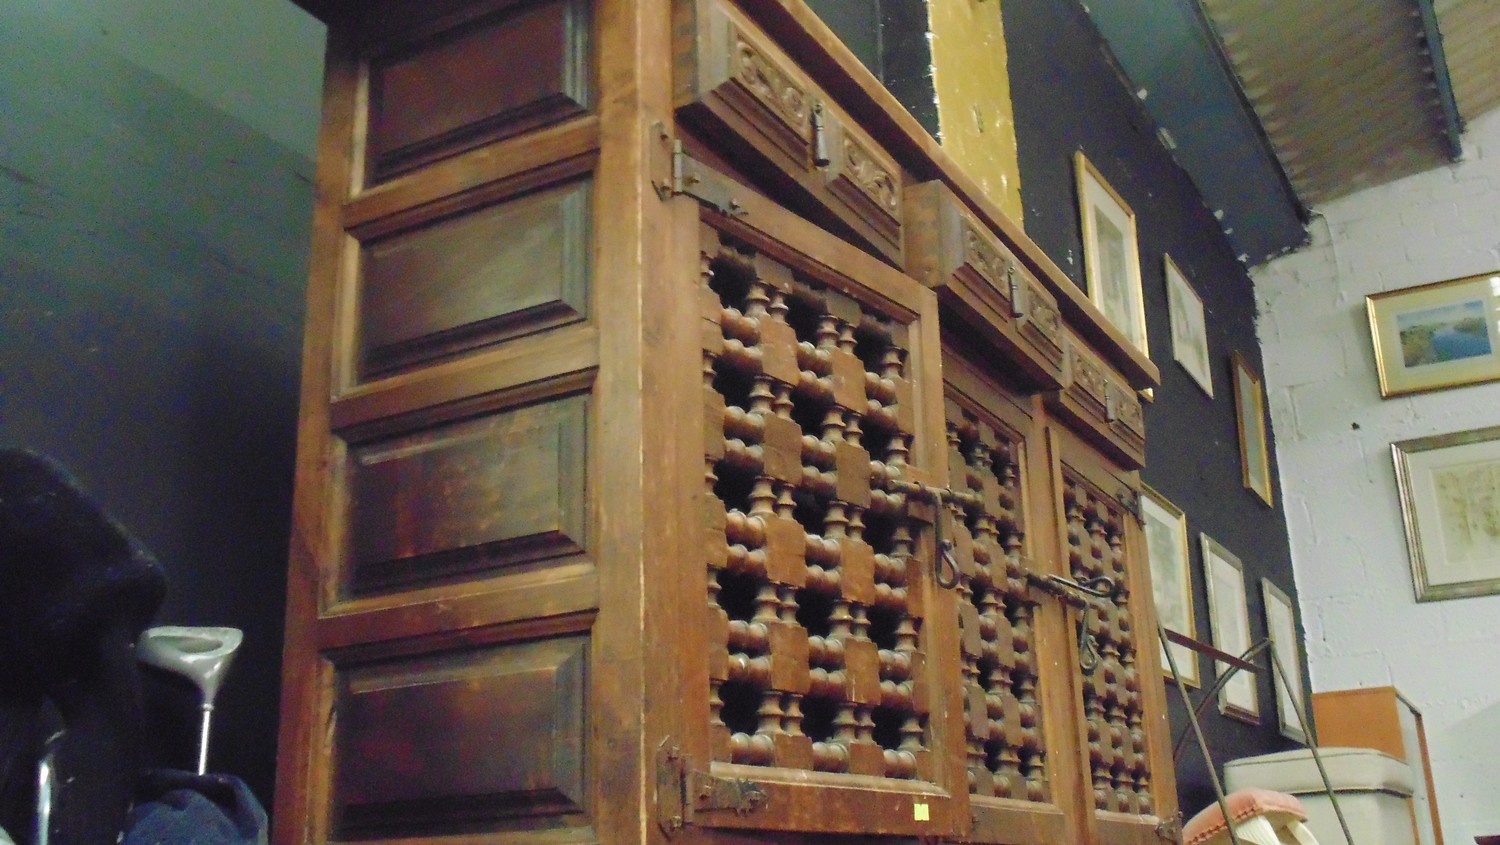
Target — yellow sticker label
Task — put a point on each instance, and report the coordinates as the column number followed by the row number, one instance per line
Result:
column 920, row 813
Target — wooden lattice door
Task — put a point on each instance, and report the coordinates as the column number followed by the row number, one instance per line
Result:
column 1130, row 788
column 820, row 689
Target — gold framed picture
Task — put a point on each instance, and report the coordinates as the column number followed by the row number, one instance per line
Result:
column 1250, row 406
column 1437, row 335
column 1111, row 262
column 1229, row 617
column 1281, row 626
column 1189, row 329
column 1450, row 505
column 1165, row 528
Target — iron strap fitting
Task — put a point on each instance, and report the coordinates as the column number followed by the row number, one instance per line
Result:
column 1170, row 828
column 681, row 792
column 682, row 175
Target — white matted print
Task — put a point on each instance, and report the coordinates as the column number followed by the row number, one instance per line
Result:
column 1189, row 329
column 1281, row 626
column 1110, row 258
column 1450, row 502
column 1165, row 527
column 1229, row 615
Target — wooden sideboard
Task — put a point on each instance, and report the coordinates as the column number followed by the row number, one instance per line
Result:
column 1385, row 720
column 690, row 452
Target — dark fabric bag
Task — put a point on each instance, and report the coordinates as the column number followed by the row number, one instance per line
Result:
column 181, row 808
column 75, row 592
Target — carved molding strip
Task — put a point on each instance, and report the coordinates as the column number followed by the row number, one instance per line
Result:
column 979, row 254
column 1088, row 374
column 772, row 86
column 1129, row 412
column 874, row 180
column 1044, row 315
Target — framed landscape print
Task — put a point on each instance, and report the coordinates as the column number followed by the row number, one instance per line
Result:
column 1165, row 527
column 1250, row 405
column 1450, row 504
column 1189, row 330
column 1281, row 626
column 1110, row 260
column 1438, row 335
column 1229, row 616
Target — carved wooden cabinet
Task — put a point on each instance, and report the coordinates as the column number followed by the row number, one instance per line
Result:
column 689, row 452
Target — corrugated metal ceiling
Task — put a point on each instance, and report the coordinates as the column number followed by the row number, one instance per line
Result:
column 1346, row 90
column 1471, row 41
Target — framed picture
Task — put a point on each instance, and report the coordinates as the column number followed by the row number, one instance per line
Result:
column 1165, row 527
column 1229, row 616
column 1110, row 260
column 1281, row 626
column 1189, row 331
column 1450, row 504
column 1255, row 455
column 1439, row 335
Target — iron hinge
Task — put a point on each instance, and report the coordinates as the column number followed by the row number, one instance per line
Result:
column 682, row 792
column 1130, row 500
column 682, row 175
column 1170, row 828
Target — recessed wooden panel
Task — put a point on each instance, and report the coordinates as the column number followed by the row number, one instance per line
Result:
column 521, row 67
column 434, row 744
column 475, row 279
column 468, row 497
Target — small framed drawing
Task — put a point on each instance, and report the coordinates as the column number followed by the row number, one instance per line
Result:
column 1110, row 260
column 1281, row 626
column 1189, row 330
column 1438, row 335
column 1255, row 455
column 1165, row 527
column 1450, row 503
column 1229, row 617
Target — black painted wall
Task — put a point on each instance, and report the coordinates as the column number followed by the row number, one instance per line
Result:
column 152, row 267
column 890, row 38
column 1068, row 95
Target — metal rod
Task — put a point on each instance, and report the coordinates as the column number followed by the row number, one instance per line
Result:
column 46, row 783
column 1208, row 758
column 1312, row 745
column 1204, row 648
column 1213, row 691
column 208, row 712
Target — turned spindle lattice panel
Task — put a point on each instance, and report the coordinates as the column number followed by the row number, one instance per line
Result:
column 1112, row 704
column 1003, row 732
column 814, row 591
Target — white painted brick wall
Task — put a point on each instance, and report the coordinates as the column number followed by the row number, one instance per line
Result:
column 1333, row 435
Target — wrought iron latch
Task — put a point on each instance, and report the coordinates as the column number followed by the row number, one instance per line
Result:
column 681, row 792
column 945, row 568
column 1018, row 308
column 683, row 175
column 822, row 155
column 1085, row 596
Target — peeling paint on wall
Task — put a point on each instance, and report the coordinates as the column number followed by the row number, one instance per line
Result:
column 973, row 96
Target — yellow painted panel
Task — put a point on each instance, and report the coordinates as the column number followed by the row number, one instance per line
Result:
column 975, row 118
